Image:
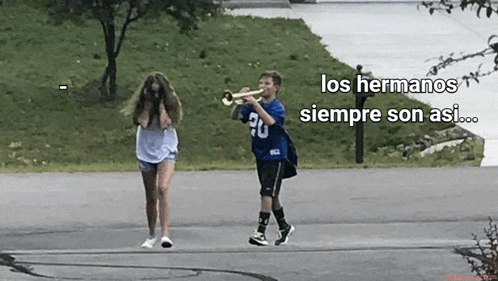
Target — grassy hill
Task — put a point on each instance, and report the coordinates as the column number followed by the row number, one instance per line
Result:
column 47, row 129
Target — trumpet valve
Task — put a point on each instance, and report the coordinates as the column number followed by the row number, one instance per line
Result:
column 229, row 97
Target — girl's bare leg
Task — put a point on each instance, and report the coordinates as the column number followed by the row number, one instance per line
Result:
column 164, row 173
column 149, row 179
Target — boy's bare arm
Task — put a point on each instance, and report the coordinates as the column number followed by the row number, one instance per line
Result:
column 267, row 118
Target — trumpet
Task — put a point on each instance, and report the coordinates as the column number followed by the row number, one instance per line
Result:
column 228, row 97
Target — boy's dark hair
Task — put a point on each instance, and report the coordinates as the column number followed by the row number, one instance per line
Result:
column 277, row 78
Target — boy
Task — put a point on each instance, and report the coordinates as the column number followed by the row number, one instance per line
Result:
column 273, row 148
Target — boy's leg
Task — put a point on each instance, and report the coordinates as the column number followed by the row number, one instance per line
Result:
column 265, row 213
column 270, row 176
column 285, row 229
column 258, row 238
column 278, row 212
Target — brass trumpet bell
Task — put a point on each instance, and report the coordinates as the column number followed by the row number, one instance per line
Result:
column 228, row 97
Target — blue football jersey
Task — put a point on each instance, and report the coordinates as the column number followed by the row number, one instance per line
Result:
column 268, row 142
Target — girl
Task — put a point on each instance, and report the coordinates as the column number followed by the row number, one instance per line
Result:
column 157, row 112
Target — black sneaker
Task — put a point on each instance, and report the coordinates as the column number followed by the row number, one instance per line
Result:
column 258, row 239
column 283, row 235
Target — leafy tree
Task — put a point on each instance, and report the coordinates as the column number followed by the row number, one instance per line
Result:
column 109, row 12
column 481, row 6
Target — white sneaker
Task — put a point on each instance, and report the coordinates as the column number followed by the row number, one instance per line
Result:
column 166, row 242
column 149, row 243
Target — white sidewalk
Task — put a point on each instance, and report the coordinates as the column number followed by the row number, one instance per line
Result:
column 395, row 40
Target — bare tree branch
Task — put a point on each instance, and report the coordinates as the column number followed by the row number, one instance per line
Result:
column 490, row 8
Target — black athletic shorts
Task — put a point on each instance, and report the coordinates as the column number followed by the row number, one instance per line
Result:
column 270, row 176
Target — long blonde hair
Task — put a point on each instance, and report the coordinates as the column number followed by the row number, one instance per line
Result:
column 155, row 88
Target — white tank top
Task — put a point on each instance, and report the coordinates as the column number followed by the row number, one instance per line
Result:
column 155, row 144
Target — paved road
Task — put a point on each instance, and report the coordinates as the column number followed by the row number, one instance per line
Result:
column 379, row 224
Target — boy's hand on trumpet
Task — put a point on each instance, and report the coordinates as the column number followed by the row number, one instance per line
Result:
column 251, row 100
column 244, row 90
column 248, row 99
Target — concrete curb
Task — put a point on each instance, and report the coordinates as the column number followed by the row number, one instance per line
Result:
column 241, row 4
column 364, row 1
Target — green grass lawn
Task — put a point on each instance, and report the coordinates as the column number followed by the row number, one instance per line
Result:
column 47, row 129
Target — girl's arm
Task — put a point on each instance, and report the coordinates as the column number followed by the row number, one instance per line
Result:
column 143, row 117
column 163, row 116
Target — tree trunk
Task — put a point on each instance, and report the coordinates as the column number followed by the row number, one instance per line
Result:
column 104, row 95
column 112, row 50
column 112, row 62
column 111, row 69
